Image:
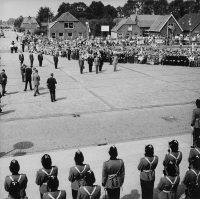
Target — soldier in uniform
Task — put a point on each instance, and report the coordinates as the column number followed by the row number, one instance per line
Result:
column 53, row 184
column 169, row 183
column 44, row 173
column 192, row 180
column 40, row 59
column 31, row 57
column 173, row 156
column 55, row 59
column 147, row 167
column 89, row 190
column 113, row 174
column 16, row 183
column 195, row 123
column 90, row 62
column 21, row 58
column 77, row 173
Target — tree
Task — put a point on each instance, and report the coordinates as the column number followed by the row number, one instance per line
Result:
column 97, row 9
column 110, row 12
column 120, row 12
column 11, row 21
column 64, row 7
column 131, row 7
column 18, row 22
column 44, row 14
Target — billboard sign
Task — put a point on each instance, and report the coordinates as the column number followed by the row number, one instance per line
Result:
column 104, row 28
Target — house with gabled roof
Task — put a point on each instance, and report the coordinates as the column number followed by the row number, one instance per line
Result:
column 67, row 27
column 29, row 24
column 143, row 25
column 190, row 23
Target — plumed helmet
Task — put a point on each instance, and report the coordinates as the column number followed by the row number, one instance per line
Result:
column 174, row 145
column 149, row 149
column 14, row 166
column 46, row 161
column 53, row 182
column 198, row 103
column 79, row 158
column 113, row 151
column 89, row 177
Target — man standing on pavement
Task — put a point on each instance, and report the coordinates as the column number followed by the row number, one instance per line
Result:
column 97, row 63
column 3, row 81
column 40, row 58
column 21, row 58
column 55, row 59
column 51, row 85
column 31, row 57
column 23, row 70
column 81, row 63
column 36, row 80
column 90, row 62
column 28, row 73
column 69, row 54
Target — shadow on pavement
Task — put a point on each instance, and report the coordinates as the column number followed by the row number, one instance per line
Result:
column 43, row 93
column 19, row 153
column 61, row 98
column 7, row 112
column 10, row 93
column 133, row 195
column 5, row 153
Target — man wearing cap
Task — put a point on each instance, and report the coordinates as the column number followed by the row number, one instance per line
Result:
column 51, row 85
column 28, row 73
column 113, row 174
column 36, row 80
column 40, row 58
column 147, row 167
column 31, row 57
column 3, row 81
column 77, row 173
column 16, row 183
column 21, row 58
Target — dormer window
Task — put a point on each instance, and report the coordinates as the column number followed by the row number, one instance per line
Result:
column 68, row 25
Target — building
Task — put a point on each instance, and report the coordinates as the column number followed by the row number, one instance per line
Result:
column 190, row 23
column 67, row 27
column 143, row 25
column 29, row 24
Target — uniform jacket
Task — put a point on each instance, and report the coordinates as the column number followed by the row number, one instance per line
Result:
column 90, row 60
column 169, row 158
column 55, row 58
column 22, row 183
column 28, row 73
column 3, row 78
column 165, row 186
column 51, row 82
column 36, row 79
column 96, row 61
column 40, row 57
column 21, row 57
column 196, row 118
column 147, row 173
column 111, row 167
column 61, row 193
column 193, row 153
column 31, row 57
column 74, row 175
column 41, row 178
column 95, row 191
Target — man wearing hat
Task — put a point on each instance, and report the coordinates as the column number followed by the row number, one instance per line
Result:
column 16, row 183
column 51, row 84
column 113, row 174
column 77, row 173
column 31, row 57
column 147, row 167
column 173, row 156
column 40, row 58
column 3, row 81
column 195, row 123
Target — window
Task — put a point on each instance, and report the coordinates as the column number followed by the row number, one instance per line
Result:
column 130, row 28
column 68, row 25
column 120, row 35
column 70, row 34
column 80, row 34
column 60, row 35
column 127, row 35
column 53, row 35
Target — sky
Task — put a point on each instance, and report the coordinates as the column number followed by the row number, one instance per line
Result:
column 15, row 8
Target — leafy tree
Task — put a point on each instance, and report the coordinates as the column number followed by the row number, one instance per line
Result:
column 44, row 14
column 131, row 7
column 11, row 21
column 97, row 9
column 120, row 12
column 64, row 7
column 18, row 22
column 110, row 12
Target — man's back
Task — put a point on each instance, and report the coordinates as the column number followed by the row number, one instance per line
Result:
column 51, row 83
column 28, row 72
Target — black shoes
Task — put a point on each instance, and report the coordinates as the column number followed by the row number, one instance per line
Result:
column 34, row 95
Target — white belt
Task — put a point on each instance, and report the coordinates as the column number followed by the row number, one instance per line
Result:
column 166, row 191
column 45, row 183
column 147, row 171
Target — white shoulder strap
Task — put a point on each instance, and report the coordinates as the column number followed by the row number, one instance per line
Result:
column 197, row 174
column 48, row 173
column 79, row 170
column 18, row 178
column 197, row 150
column 151, row 161
column 172, row 183
column 53, row 197
column 90, row 194
column 175, row 157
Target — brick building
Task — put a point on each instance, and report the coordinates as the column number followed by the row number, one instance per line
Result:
column 29, row 24
column 67, row 27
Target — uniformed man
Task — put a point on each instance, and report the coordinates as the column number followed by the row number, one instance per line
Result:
column 89, row 190
column 113, row 174
column 44, row 173
column 51, row 85
column 40, row 58
column 16, row 183
column 169, row 183
column 55, row 59
column 147, row 167
column 90, row 62
column 77, row 173
column 173, row 156
column 53, row 184
column 31, row 57
column 195, row 123
column 81, row 63
column 192, row 180
column 21, row 58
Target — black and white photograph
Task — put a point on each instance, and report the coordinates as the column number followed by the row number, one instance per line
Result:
column 100, row 99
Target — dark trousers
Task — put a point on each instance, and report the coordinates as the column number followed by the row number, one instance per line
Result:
column 56, row 64
column 52, row 94
column 69, row 56
column 21, row 62
column 31, row 63
column 11, row 50
column 147, row 189
column 28, row 81
column 113, row 193
column 81, row 69
column 100, row 67
column 196, row 134
column 74, row 194
column 90, row 68
column 97, row 69
column 3, row 88
column 40, row 63
column 23, row 78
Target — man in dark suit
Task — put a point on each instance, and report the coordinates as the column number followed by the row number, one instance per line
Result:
column 69, row 54
column 3, row 81
column 90, row 62
column 40, row 59
column 55, row 59
column 31, row 57
column 21, row 58
column 51, row 84
column 28, row 73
